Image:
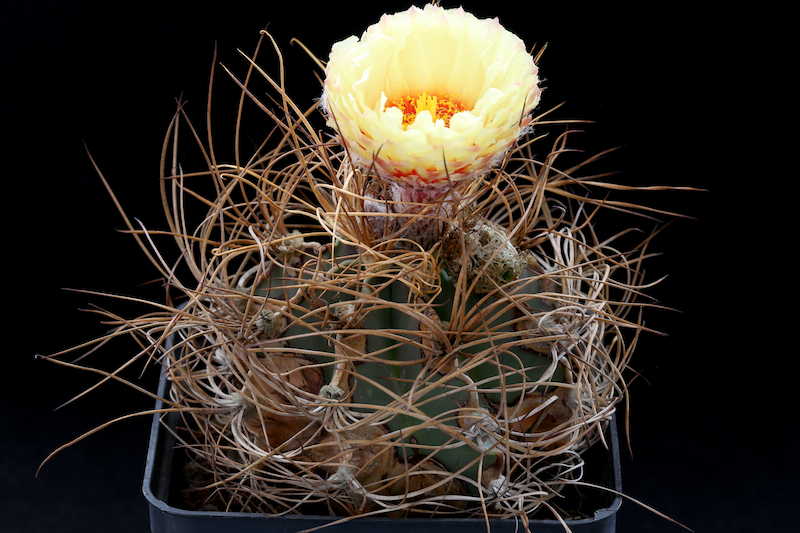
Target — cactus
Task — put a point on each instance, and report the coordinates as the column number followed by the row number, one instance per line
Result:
column 351, row 340
column 327, row 356
column 319, row 363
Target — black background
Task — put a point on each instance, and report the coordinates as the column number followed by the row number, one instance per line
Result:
column 697, row 94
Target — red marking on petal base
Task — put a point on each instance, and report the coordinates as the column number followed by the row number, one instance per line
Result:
column 438, row 179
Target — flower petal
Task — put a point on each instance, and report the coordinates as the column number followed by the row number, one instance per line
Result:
column 447, row 53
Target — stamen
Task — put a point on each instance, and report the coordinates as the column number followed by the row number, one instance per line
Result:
column 443, row 106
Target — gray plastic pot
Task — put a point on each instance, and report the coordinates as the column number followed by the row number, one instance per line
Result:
column 161, row 479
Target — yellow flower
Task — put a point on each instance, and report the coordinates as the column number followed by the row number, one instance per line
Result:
column 431, row 92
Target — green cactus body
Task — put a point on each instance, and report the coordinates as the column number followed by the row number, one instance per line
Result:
column 399, row 351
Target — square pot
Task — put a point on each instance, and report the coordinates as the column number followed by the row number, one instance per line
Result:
column 163, row 473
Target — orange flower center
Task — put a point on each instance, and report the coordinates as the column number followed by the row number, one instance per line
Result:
column 443, row 106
